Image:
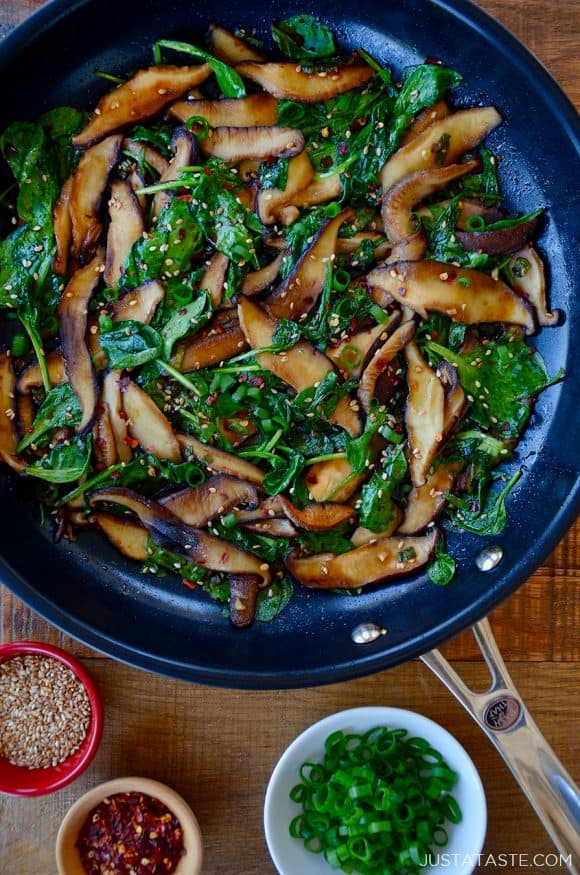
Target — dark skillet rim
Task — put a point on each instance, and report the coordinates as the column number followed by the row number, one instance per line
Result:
column 66, row 621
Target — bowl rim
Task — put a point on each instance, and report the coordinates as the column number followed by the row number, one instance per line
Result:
column 54, row 777
column 67, row 858
column 417, row 723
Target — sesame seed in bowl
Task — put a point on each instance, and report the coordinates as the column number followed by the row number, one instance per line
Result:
column 50, row 718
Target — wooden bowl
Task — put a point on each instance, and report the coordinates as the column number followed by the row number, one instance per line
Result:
column 67, row 856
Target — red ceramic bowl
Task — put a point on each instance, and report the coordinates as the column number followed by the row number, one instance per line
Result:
column 18, row 781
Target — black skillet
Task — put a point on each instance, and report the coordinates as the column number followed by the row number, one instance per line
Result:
column 86, row 588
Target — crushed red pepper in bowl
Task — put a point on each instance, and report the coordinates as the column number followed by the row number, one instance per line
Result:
column 130, row 834
column 130, row 826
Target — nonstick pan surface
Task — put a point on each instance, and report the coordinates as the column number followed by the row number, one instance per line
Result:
column 86, row 588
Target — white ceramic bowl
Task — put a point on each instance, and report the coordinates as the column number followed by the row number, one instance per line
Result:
column 465, row 839
column 68, row 858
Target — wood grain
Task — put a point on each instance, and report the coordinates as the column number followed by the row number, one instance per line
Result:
column 218, row 747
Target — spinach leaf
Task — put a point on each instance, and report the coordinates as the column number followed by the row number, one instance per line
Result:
column 273, row 599
column 358, row 449
column 274, row 174
column 168, row 250
column 304, row 38
column 65, row 462
column 27, row 150
column 60, row 408
column 131, row 344
column 336, row 540
column 184, row 321
column 489, row 519
column 422, row 86
column 499, row 379
column 161, row 560
column 156, row 135
column 286, row 334
column 284, row 475
column 229, row 81
column 324, row 397
column 377, row 510
column 61, row 124
column 268, row 549
column 299, row 236
column 442, row 568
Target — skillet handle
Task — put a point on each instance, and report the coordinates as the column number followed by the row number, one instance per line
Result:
column 503, row 716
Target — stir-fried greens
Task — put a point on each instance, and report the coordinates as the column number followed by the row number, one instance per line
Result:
column 268, row 318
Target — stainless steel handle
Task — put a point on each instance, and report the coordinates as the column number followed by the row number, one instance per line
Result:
column 503, row 716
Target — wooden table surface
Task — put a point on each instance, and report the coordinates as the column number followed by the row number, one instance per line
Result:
column 218, row 747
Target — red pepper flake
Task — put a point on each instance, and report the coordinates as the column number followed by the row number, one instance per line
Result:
column 207, row 171
column 224, row 558
column 434, row 61
column 219, row 329
column 188, row 583
column 130, row 441
column 185, row 197
column 342, row 148
column 123, row 416
column 211, row 399
column 130, row 833
column 259, row 382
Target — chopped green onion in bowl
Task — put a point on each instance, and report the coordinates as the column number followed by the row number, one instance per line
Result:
column 351, row 795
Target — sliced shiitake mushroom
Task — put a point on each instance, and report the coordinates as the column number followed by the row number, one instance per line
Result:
column 319, row 191
column 230, row 48
column 62, row 225
column 235, row 144
column 333, row 479
column 499, row 241
column 87, row 188
column 125, row 227
column 258, row 280
column 147, row 153
column 31, row 378
column 272, row 201
column 126, row 534
column 195, row 544
column 184, row 148
column 467, row 296
column 301, row 367
column 455, row 401
column 213, row 498
column 371, row 563
column 243, row 599
column 380, row 361
column 272, row 528
column 441, row 143
column 288, row 82
column 113, row 407
column 301, row 289
column 8, row 430
column 139, row 304
column 147, row 424
column 140, row 98
column 424, row 413
column 401, row 198
column 214, row 278
column 527, row 269
column 219, row 460
column 424, row 503
column 425, row 118
column 72, row 315
column 104, row 443
column 317, row 517
column 221, row 339
column 242, row 112
column 351, row 355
